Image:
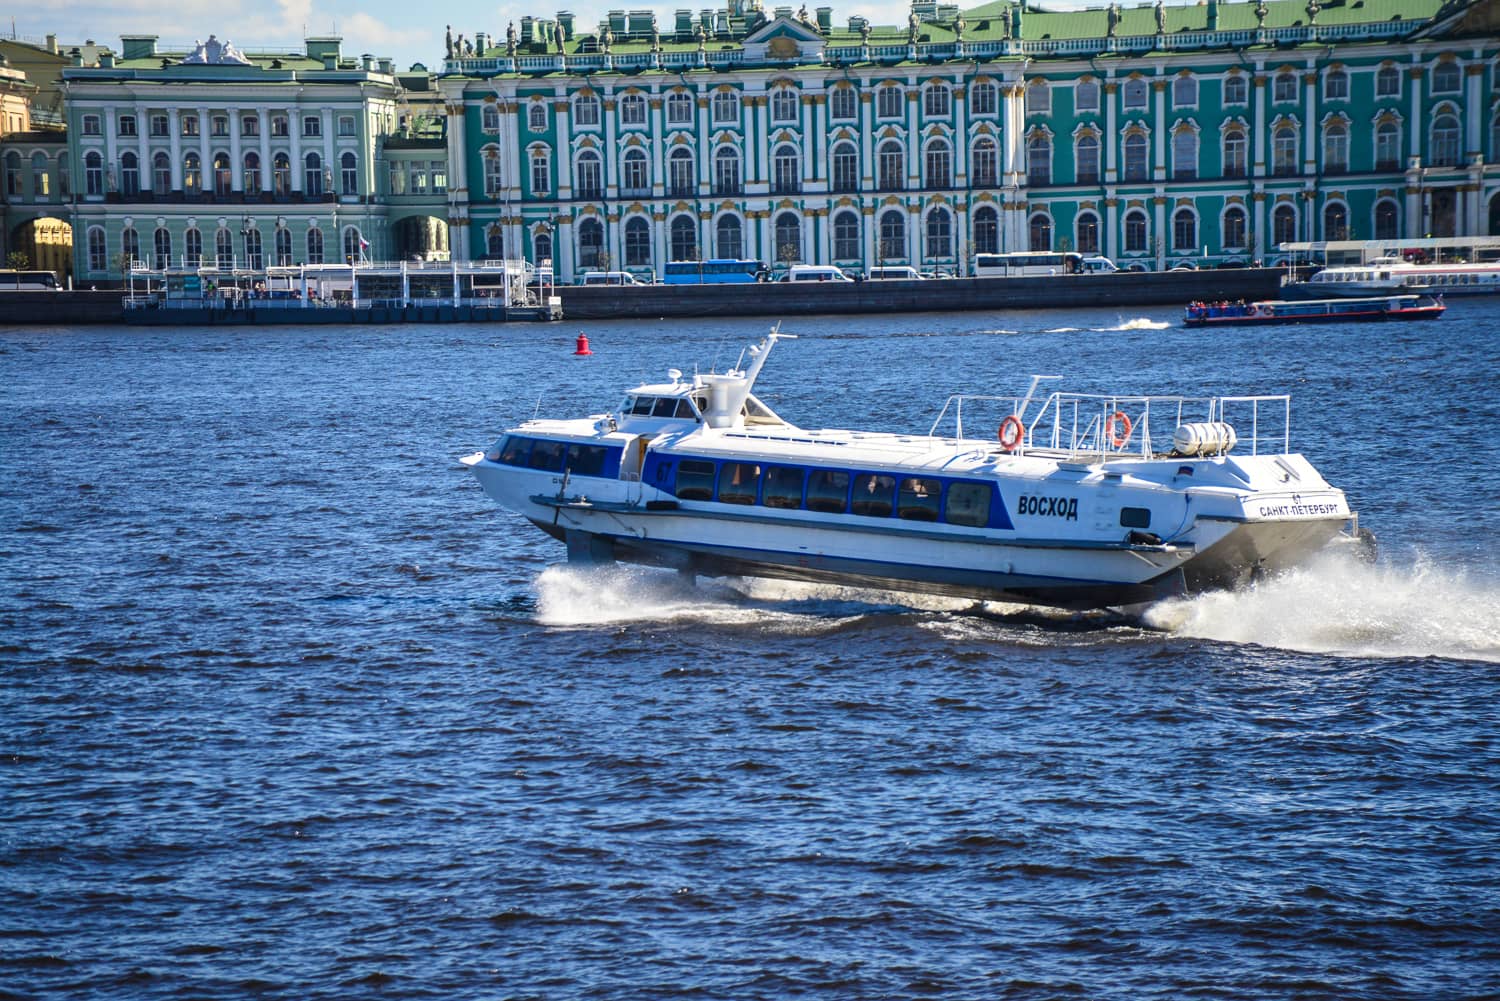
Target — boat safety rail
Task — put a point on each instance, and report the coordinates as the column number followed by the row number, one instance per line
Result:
column 1079, row 426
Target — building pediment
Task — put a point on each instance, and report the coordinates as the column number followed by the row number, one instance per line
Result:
column 784, row 40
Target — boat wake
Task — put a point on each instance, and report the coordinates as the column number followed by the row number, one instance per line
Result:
column 1139, row 323
column 1343, row 607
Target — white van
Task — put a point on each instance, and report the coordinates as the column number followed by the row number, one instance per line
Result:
column 1099, row 266
column 609, row 278
column 814, row 273
column 895, row 274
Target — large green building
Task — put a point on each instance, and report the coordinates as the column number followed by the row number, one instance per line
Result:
column 1151, row 134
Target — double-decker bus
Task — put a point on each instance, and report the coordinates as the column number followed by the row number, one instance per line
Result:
column 715, row 272
column 1029, row 263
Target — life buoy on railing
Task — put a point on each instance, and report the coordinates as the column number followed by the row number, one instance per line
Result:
column 1012, row 431
column 1117, row 428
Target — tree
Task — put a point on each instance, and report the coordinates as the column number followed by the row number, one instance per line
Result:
column 18, row 259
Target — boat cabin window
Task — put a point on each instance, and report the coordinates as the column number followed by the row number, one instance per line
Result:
column 738, row 482
column 783, row 487
column 642, row 405
column 1135, row 517
column 581, row 459
column 515, row 451
column 828, row 491
column 547, row 455
column 695, row 480
column 918, row 499
column 968, row 504
column 756, row 412
column 587, row 460
column 874, row 495
column 665, row 406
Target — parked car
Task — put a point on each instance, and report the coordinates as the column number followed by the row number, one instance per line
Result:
column 609, row 278
column 814, row 273
column 1099, row 266
column 894, row 273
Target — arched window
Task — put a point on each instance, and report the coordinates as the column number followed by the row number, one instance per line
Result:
column 224, row 250
column 1038, row 98
column 40, row 179
column 1235, row 148
column 348, row 174
column 161, row 174
column 1086, row 97
column 251, row 177
column 1387, row 146
column 726, row 107
column 1184, row 230
column 541, row 247
column 784, row 105
column 893, row 235
column 130, row 246
column 682, row 177
column 843, row 104
column 1387, row 220
column 1184, row 92
column 489, row 118
column 13, row 174
column 1446, row 77
column 939, row 233
column 315, row 246
column 1086, row 159
column 1284, row 88
column 590, row 242
column 312, row 178
column 1335, row 222
column 98, row 250
column 1039, row 159
column 161, row 247
column 283, row 246
column 788, row 237
column 494, row 243
column 1039, row 232
column 353, row 245
column 1135, row 231
column 729, row 238
column 637, row 243
column 1284, row 151
column 846, row 236
column 586, row 110
column 192, row 248
column 1136, row 163
column 1236, row 89
column 939, row 162
column 1388, row 82
column 986, row 231
column 536, row 116
column 786, row 170
column 64, row 176
column 983, row 99
column 632, row 110
column 635, row 174
column 684, row 236
column 1336, row 85
column 541, row 170
column 281, row 174
column 1184, row 154
column 254, row 259
column 890, row 101
column 1283, row 224
column 221, row 175
column 937, row 100
column 1234, row 228
column 1088, row 233
column 726, row 171
column 984, row 163
column 1445, row 141
column 845, row 167
column 1335, row 148
column 890, row 166
column 192, row 174
column 494, row 180
column 590, row 182
column 130, row 175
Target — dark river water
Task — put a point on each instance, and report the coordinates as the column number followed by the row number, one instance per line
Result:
column 289, row 709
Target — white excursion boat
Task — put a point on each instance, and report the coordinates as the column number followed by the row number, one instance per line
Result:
column 1356, row 269
column 1083, row 501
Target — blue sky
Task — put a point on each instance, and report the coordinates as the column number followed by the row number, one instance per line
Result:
column 408, row 33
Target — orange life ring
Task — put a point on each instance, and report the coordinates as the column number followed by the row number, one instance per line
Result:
column 1012, row 432
column 1117, row 428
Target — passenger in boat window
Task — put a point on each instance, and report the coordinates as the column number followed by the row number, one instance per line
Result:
column 874, row 495
column 828, row 491
column 664, row 407
column 919, row 499
column 783, row 487
column 547, row 455
column 695, row 480
column 967, row 504
column 586, row 460
column 515, row 450
column 737, row 482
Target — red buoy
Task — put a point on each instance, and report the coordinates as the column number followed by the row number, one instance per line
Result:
column 583, row 344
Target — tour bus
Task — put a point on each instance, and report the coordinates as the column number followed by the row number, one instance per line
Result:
column 720, row 271
column 27, row 281
column 1026, row 264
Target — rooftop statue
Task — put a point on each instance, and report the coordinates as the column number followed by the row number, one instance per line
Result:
column 214, row 53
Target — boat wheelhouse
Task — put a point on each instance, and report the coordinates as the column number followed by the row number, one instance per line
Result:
column 1080, row 500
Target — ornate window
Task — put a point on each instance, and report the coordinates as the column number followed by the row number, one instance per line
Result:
column 1234, row 228
column 786, row 170
column 541, row 170
column 315, row 246
column 1387, row 146
column 586, row 110
column 192, row 174
column 161, row 174
column 254, row 259
column 536, row 116
column 1136, row 162
column 986, row 231
column 632, row 110
column 635, row 173
column 684, row 237
column 346, row 126
column 161, row 247
column 890, row 161
column 1388, row 82
column 590, row 242
column 249, row 125
column 489, row 118
column 312, row 175
column 283, row 247
column 251, row 177
column 788, row 237
column 784, row 104
column 1335, row 222
column 1039, row 232
column 353, row 251
column 1134, row 94
column 1283, row 224
column 1284, row 151
column 846, row 235
column 1234, row 153
column 493, row 178
column 130, row 175
column 189, row 125
column 637, row 243
column 1335, row 148
column 281, row 174
column 1284, row 88
column 890, row 101
column 1039, row 159
column 130, row 246
column 845, row 173
column 348, row 174
column 939, row 233
column 1184, row 92
column 127, row 125
column 679, row 108
column 1086, row 97
column 541, row 247
column 221, row 175
column 1086, row 158
column 1088, row 233
column 64, row 176
column 1184, row 230
column 13, row 174
column 729, row 238
column 937, row 100
column 1236, row 89
column 939, row 157
column 682, row 180
column 1336, row 85
column 280, row 126
column 590, row 183
column 192, row 248
column 494, row 243
column 1387, row 219
column 1135, row 231
column 1444, row 141
column 223, row 250
column 984, row 163
column 893, row 235
column 983, row 99
column 98, row 250
column 1446, row 77
column 726, row 107
column 312, row 126
column 843, row 104
column 1038, row 98
column 1184, row 154
column 726, row 171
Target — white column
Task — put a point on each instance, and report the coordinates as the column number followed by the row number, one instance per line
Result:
column 1310, row 139
column 1418, row 124
column 611, row 152
column 564, row 158
column 236, row 155
column 264, row 119
column 205, row 156
column 913, row 136
column 658, row 147
column 331, row 156
column 1259, row 126
column 960, row 135
column 1160, row 130
column 174, row 136
column 1111, row 140
column 294, row 138
column 1474, row 116
column 867, row 140
column 143, row 147
column 705, row 149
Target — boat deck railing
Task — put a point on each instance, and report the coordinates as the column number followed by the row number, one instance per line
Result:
column 1085, row 427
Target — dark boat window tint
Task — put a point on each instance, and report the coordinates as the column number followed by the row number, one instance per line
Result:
column 874, row 495
column 643, row 405
column 968, row 504
column 587, row 460
column 664, row 407
column 685, row 410
column 547, row 455
column 783, row 487
column 737, row 482
column 515, row 450
column 1135, row 517
column 918, row 500
column 695, row 480
column 828, row 491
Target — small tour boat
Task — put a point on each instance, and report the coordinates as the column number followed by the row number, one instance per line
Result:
column 1386, row 307
column 1082, row 501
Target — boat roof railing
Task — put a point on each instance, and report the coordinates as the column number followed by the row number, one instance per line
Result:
column 1097, row 427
